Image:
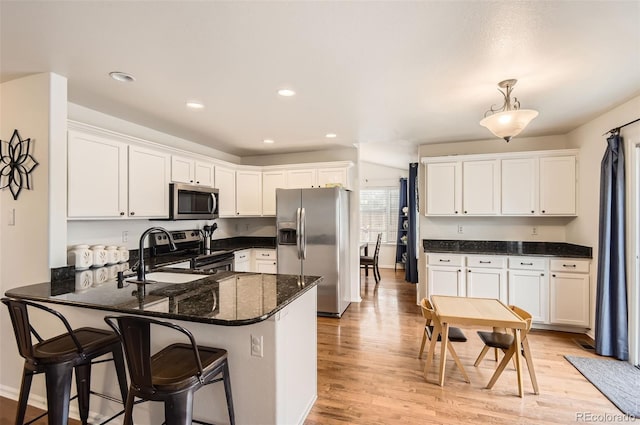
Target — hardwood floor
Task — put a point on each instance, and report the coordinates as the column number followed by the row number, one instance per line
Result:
column 369, row 373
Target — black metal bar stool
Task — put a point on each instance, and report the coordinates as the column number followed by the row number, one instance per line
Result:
column 57, row 357
column 173, row 374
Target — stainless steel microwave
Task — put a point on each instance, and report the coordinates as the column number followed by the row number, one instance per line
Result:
column 191, row 202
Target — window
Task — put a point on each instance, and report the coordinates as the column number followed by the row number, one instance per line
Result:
column 379, row 214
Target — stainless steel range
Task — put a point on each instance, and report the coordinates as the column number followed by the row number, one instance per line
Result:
column 190, row 246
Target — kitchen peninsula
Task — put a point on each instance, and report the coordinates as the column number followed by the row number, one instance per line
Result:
column 266, row 322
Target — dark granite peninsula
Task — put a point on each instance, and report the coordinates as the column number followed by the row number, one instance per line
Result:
column 549, row 249
column 266, row 322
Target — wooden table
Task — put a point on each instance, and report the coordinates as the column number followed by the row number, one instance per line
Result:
column 475, row 312
column 364, row 248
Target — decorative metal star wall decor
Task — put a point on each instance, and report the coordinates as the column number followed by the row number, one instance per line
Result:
column 16, row 164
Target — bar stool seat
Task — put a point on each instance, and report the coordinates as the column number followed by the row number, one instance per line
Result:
column 171, row 375
column 57, row 357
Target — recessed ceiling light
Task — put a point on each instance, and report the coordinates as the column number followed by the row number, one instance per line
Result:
column 122, row 77
column 268, row 141
column 194, row 104
column 331, row 135
column 286, row 92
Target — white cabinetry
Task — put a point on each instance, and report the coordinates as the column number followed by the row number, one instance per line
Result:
column 519, row 189
column 317, row 177
column 265, row 261
column 529, row 286
column 272, row 180
column 111, row 179
column 332, row 176
column 242, row 260
column 558, row 185
column 225, row 179
column 445, row 274
column 302, row 179
column 444, row 188
column 486, row 277
column 187, row 170
column 248, row 193
column 569, row 287
column 481, row 187
column 148, row 182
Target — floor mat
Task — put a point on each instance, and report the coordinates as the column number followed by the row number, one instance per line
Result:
column 619, row 381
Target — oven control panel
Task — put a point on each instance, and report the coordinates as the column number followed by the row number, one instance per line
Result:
column 179, row 237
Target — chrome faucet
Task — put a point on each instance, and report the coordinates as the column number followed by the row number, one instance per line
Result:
column 141, row 267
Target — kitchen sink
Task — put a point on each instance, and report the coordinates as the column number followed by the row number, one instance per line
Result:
column 167, row 277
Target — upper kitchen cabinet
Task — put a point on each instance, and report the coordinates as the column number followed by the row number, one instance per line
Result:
column 540, row 183
column 188, row 170
column 149, row 175
column 225, row 179
column 302, row 179
column 272, row 180
column 333, row 176
column 319, row 175
column 444, row 188
column 248, row 193
column 96, row 176
column 108, row 178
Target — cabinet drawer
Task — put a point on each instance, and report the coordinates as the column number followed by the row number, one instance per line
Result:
column 488, row 261
column 454, row 260
column 264, row 254
column 242, row 255
column 527, row 263
column 570, row 265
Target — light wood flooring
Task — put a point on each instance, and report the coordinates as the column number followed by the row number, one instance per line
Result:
column 369, row 373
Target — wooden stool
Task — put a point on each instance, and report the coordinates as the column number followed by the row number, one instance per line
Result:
column 173, row 374
column 57, row 357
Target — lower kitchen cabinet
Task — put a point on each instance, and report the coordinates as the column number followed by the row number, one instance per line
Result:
column 487, row 283
column 529, row 290
column 569, row 292
column 242, row 260
column 265, row 261
column 445, row 281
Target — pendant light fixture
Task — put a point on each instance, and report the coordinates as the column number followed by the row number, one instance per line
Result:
column 509, row 120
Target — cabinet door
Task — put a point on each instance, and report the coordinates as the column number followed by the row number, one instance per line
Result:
column 519, row 188
column 487, row 283
column 182, row 169
column 445, row 281
column 272, row 180
column 558, row 185
column 481, row 187
column 96, row 176
column 569, row 299
column 332, row 176
column 149, row 176
column 529, row 290
column 248, row 192
column 266, row 266
column 226, row 183
column 204, row 173
column 302, row 179
column 444, row 188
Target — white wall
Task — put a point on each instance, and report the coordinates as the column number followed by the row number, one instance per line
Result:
column 29, row 104
column 376, row 175
column 328, row 155
column 592, row 143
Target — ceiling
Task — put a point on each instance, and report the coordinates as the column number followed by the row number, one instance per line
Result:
column 396, row 73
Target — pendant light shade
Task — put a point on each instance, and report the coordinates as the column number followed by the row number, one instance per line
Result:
column 509, row 120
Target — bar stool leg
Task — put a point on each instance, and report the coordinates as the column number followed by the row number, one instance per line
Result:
column 128, row 409
column 118, row 360
column 83, row 385
column 227, row 390
column 58, row 383
column 178, row 409
column 25, row 387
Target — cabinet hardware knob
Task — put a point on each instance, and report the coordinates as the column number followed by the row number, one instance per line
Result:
column 190, row 181
column 132, row 213
column 465, row 212
column 198, row 182
column 543, row 211
column 541, row 274
column 459, row 270
column 553, row 275
column 532, row 211
column 456, row 212
column 121, row 212
column 573, row 266
column 468, row 271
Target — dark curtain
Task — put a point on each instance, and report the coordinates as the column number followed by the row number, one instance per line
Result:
column 402, row 202
column 411, row 267
column 611, row 299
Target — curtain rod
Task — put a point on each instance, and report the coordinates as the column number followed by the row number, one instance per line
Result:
column 613, row 130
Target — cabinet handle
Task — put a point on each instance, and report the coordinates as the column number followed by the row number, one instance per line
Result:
column 485, row 262
column 444, row 261
column 121, row 212
column 526, row 264
column 572, row 266
column 265, row 255
column 132, row 213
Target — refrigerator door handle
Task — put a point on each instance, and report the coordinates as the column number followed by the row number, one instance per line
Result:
column 298, row 234
column 303, row 237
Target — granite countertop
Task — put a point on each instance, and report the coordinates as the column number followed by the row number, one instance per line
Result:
column 546, row 249
column 224, row 298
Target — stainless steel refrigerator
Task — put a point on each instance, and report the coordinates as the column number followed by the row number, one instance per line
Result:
column 313, row 240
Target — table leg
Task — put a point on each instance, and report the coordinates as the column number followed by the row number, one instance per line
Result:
column 517, row 343
column 432, row 347
column 529, row 360
column 443, row 351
